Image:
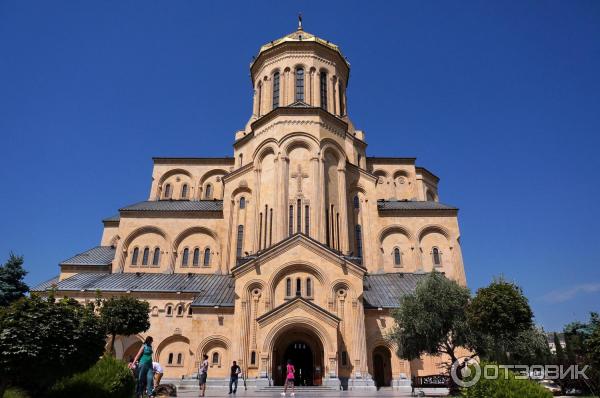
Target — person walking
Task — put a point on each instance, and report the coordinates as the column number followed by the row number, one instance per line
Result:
column 233, row 377
column 289, row 379
column 203, row 374
column 144, row 369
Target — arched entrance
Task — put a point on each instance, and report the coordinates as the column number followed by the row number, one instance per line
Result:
column 382, row 367
column 305, row 351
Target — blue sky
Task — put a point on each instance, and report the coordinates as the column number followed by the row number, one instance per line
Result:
column 500, row 99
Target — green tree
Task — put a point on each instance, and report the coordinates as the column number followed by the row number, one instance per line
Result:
column 12, row 286
column 124, row 316
column 560, row 353
column 530, row 347
column 497, row 315
column 432, row 320
column 42, row 340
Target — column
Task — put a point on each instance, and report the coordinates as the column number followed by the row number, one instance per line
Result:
column 343, row 201
column 331, row 105
column 255, row 103
column 227, row 255
column 315, row 205
column 255, row 243
column 283, row 195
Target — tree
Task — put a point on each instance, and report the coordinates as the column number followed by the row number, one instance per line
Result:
column 432, row 320
column 500, row 312
column 42, row 340
column 530, row 347
column 560, row 354
column 124, row 316
column 12, row 286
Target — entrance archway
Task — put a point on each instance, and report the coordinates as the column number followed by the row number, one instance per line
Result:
column 382, row 367
column 305, row 351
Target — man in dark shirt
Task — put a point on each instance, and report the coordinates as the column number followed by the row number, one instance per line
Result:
column 233, row 379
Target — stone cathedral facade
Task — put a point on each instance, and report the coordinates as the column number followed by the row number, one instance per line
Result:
column 297, row 247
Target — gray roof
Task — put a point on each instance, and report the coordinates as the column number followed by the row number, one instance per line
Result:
column 176, row 205
column 211, row 290
column 115, row 217
column 99, row 255
column 407, row 205
column 45, row 285
column 385, row 290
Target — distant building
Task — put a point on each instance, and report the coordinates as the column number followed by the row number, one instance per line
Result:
column 297, row 247
column 551, row 344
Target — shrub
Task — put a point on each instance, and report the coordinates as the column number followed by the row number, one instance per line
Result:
column 108, row 378
column 15, row 393
column 505, row 386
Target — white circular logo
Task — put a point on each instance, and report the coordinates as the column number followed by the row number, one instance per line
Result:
column 465, row 372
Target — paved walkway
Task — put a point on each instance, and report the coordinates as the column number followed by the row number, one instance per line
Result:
column 299, row 394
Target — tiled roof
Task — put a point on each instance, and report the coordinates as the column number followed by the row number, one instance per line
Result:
column 407, row 205
column 212, row 290
column 385, row 290
column 45, row 285
column 176, row 205
column 116, row 217
column 99, row 255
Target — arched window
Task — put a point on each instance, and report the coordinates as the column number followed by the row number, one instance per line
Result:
column 291, row 221
column 299, row 216
column 298, row 287
column 215, row 358
column 356, row 202
column 288, row 287
column 180, row 310
column 307, row 220
column 134, row 256
column 184, row 191
column 190, row 310
column 156, row 256
column 196, row 258
column 185, row 257
column 358, row 237
column 170, row 361
column 240, row 241
column 242, row 202
column 397, row 258
column 241, row 159
column 145, row 256
column 323, row 85
column 206, row 257
column 259, row 98
column 308, row 287
column 169, row 310
column 168, row 191
column 179, row 359
column 437, row 256
column 253, row 358
column 208, row 192
column 276, row 90
column 341, row 94
column 299, row 84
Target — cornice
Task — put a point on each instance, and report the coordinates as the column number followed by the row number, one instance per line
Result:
column 335, row 125
column 237, row 172
column 227, row 161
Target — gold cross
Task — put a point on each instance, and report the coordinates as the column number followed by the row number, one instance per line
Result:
column 300, row 176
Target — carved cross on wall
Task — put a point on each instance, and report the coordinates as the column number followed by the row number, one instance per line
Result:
column 299, row 177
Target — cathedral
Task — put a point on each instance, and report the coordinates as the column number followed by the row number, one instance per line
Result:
column 299, row 246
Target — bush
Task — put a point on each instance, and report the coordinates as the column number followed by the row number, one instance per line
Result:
column 505, row 387
column 15, row 393
column 108, row 378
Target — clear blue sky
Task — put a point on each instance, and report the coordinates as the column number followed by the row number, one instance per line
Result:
column 500, row 99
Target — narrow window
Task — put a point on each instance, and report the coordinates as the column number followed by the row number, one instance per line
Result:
column 271, row 227
column 145, row 256
column 156, row 256
column 332, row 221
column 298, row 287
column 327, row 227
column 207, row 257
column 260, row 224
column 266, row 211
column 275, row 90
column 259, row 98
column 241, row 159
column 356, row 202
column 196, row 258
column 209, row 192
column 308, row 287
column 169, row 310
column 134, row 256
column 299, row 84
column 242, row 202
column 323, row 84
column 253, row 358
column 190, row 310
column 170, row 361
column 397, row 259
column 358, row 236
column 179, row 359
column 168, row 191
column 288, row 287
column 240, row 241
column 215, row 358
column 359, row 159
column 436, row 256
column 291, row 220
column 307, row 220
column 185, row 257
column 299, row 216
column 179, row 310
column 341, row 93
column 184, row 191
column 337, row 224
